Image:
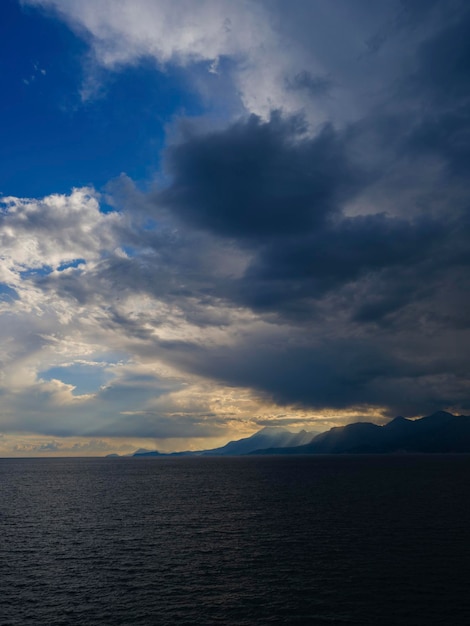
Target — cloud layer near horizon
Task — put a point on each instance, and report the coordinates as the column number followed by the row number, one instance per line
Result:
column 311, row 260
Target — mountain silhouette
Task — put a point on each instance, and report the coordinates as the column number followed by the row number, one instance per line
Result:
column 268, row 437
column 440, row 432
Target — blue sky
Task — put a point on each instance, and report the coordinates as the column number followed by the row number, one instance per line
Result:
column 52, row 139
column 217, row 215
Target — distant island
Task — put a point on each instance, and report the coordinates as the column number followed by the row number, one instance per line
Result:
column 440, row 432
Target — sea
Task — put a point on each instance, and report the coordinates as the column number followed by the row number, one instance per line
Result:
column 241, row 541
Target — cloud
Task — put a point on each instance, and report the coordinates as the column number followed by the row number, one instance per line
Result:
column 35, row 234
column 284, row 198
column 124, row 31
column 258, row 178
column 316, row 261
column 27, row 445
column 324, row 365
column 317, row 86
column 311, row 306
column 172, row 33
column 268, row 45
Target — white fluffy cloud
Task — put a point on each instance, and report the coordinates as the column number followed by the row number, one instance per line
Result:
column 53, row 231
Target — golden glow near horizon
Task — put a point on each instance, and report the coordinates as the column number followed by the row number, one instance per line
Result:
column 226, row 413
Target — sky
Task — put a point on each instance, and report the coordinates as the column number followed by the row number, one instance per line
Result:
column 218, row 215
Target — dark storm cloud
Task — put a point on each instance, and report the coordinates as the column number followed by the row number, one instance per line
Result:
column 255, row 179
column 444, row 61
column 376, row 305
column 354, row 240
column 314, row 371
column 442, row 86
column 318, row 374
column 307, row 267
column 302, row 244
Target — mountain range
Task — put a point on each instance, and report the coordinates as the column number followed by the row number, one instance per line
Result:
column 269, row 437
column 440, row 432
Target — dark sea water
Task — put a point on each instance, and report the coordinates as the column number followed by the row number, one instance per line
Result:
column 245, row 541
